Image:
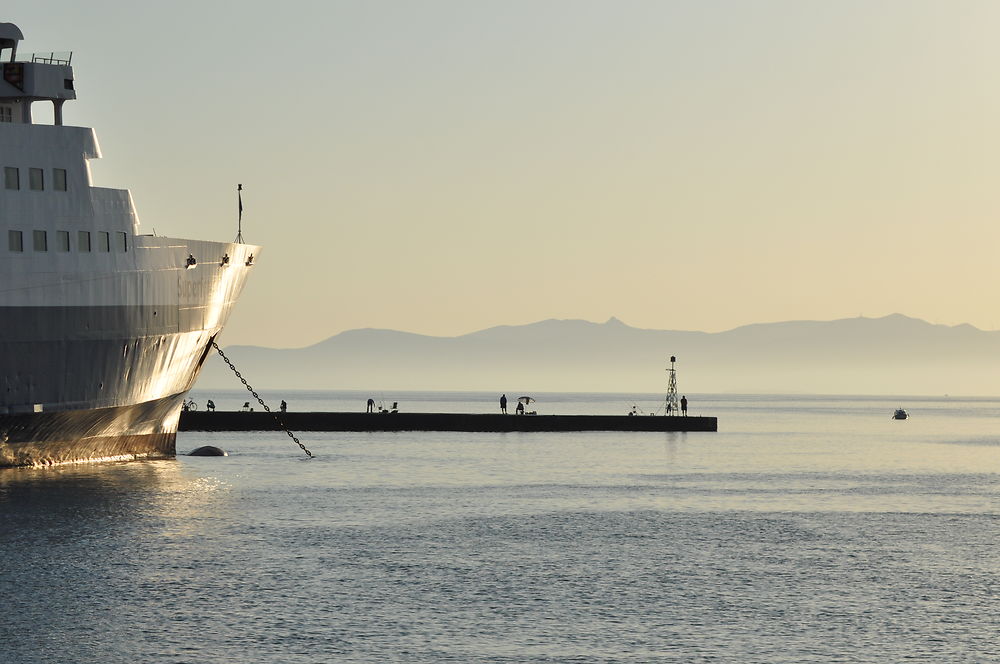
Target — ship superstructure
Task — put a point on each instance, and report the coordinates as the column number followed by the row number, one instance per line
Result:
column 103, row 330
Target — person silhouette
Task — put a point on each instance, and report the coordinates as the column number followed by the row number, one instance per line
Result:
column 284, row 406
column 503, row 404
column 684, row 405
column 371, row 405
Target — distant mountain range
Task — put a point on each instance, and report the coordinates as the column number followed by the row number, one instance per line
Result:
column 891, row 355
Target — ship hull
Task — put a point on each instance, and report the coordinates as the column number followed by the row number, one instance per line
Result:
column 138, row 431
column 95, row 366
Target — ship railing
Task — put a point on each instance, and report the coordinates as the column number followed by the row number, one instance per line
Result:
column 52, row 58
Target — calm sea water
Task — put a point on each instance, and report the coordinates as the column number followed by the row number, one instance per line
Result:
column 808, row 529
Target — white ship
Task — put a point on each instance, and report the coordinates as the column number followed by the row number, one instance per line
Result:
column 103, row 330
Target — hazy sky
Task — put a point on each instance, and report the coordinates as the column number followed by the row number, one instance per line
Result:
column 445, row 166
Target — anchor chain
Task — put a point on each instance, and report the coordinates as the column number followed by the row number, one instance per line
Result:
column 256, row 396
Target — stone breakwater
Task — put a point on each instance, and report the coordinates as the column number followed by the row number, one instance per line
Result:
column 348, row 421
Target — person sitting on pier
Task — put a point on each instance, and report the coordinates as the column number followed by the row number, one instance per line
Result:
column 246, row 407
column 284, row 406
column 520, row 408
column 210, row 406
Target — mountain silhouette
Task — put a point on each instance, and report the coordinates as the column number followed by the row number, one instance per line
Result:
column 894, row 354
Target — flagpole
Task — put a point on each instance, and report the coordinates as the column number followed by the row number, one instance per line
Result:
column 239, row 223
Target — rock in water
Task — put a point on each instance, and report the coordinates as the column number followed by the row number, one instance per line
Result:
column 208, row 450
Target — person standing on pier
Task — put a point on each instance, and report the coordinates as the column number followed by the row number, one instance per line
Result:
column 684, row 406
column 371, row 405
column 503, row 404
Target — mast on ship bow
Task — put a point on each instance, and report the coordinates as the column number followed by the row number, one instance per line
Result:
column 239, row 221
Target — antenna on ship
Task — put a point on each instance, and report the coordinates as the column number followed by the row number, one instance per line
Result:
column 672, row 404
column 239, row 223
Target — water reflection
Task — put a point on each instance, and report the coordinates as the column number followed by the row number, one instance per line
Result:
column 77, row 538
column 115, row 505
column 784, row 526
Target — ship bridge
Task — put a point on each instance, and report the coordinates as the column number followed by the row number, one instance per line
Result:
column 38, row 77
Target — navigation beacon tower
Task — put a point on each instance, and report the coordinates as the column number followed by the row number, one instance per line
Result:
column 673, row 406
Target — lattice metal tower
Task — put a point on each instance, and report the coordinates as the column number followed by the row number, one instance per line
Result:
column 673, row 404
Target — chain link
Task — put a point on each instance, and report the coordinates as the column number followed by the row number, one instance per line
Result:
column 256, row 396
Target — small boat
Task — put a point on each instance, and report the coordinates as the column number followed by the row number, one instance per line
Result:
column 900, row 414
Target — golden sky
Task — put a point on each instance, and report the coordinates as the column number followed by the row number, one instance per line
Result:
column 445, row 166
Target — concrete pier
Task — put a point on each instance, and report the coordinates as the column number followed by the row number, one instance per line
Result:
column 262, row 421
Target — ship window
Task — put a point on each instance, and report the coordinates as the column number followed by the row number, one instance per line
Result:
column 11, row 177
column 103, row 241
column 121, row 242
column 59, row 179
column 41, row 241
column 83, row 241
column 15, row 241
column 36, row 179
column 6, row 114
column 62, row 240
column 67, row 83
